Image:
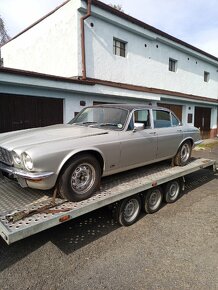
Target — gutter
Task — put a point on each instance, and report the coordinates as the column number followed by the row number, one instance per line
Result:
column 82, row 27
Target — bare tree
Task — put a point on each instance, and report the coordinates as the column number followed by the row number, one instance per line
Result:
column 118, row 7
column 4, row 37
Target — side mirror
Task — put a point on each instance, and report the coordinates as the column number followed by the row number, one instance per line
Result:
column 138, row 127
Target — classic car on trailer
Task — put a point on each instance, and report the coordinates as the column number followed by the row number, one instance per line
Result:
column 101, row 140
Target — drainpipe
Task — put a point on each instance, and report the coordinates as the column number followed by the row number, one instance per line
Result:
column 82, row 27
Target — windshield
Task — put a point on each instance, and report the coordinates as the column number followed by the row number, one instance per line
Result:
column 112, row 118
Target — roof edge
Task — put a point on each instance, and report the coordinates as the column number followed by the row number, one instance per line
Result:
column 93, row 82
column 76, row 80
column 151, row 90
column 38, row 21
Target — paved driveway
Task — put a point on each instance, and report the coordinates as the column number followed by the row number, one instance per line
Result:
column 175, row 248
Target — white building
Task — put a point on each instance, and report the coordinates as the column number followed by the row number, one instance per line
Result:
column 121, row 54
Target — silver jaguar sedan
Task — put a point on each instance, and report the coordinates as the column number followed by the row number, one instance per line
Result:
column 100, row 141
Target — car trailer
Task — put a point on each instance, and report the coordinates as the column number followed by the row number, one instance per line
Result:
column 24, row 211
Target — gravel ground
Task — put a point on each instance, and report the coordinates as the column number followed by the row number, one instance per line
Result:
column 175, row 248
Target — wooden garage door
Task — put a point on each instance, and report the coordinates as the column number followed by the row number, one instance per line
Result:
column 176, row 109
column 202, row 121
column 22, row 112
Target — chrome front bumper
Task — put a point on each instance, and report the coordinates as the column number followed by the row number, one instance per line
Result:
column 19, row 173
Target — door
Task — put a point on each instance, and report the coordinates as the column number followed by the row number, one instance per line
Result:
column 138, row 146
column 202, row 121
column 169, row 133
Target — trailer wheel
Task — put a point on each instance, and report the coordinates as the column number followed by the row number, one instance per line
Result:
column 184, row 154
column 128, row 211
column 172, row 191
column 80, row 179
column 152, row 200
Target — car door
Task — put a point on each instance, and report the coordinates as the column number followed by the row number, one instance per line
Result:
column 139, row 142
column 169, row 133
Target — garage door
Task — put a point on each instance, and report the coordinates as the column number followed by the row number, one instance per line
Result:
column 176, row 109
column 22, row 112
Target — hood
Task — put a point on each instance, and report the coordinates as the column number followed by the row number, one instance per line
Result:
column 29, row 137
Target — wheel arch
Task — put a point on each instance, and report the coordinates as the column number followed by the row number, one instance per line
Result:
column 185, row 140
column 94, row 152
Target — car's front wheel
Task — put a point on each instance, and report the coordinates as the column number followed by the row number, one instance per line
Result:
column 80, row 178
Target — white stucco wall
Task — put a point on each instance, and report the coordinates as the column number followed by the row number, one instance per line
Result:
column 146, row 66
column 53, row 47
column 50, row 47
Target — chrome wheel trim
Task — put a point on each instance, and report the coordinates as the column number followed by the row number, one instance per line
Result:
column 131, row 210
column 185, row 152
column 155, row 199
column 83, row 178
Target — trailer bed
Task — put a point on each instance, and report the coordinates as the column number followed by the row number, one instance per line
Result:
column 14, row 199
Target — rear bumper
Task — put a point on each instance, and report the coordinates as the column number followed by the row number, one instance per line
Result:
column 198, row 142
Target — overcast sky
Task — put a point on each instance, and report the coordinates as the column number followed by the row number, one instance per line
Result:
column 193, row 21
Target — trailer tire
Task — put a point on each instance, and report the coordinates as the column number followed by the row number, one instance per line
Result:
column 129, row 210
column 80, row 179
column 152, row 200
column 183, row 155
column 172, row 191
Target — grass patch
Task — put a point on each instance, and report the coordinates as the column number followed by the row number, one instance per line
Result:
column 207, row 145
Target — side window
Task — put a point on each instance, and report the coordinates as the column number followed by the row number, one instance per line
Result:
column 175, row 121
column 140, row 118
column 161, row 119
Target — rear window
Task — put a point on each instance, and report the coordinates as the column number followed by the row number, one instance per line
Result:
column 161, row 119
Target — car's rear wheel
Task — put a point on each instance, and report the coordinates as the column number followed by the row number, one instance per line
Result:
column 80, row 178
column 184, row 154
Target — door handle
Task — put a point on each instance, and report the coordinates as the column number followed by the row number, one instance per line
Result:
column 179, row 130
column 152, row 133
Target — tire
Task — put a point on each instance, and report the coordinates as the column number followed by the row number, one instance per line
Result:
column 172, row 191
column 152, row 200
column 80, row 178
column 128, row 211
column 184, row 154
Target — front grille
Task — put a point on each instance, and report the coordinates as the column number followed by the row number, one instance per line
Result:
column 5, row 156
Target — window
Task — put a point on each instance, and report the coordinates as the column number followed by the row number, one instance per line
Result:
column 206, row 76
column 119, row 47
column 140, row 118
column 190, row 118
column 172, row 65
column 161, row 119
column 175, row 121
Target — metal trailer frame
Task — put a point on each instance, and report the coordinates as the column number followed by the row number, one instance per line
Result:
column 14, row 199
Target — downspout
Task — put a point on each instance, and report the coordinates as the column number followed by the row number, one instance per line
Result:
column 82, row 27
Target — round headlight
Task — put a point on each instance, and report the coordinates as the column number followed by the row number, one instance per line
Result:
column 16, row 158
column 27, row 161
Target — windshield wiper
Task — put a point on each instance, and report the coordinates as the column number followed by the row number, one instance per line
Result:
column 84, row 123
column 88, row 123
column 108, row 124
